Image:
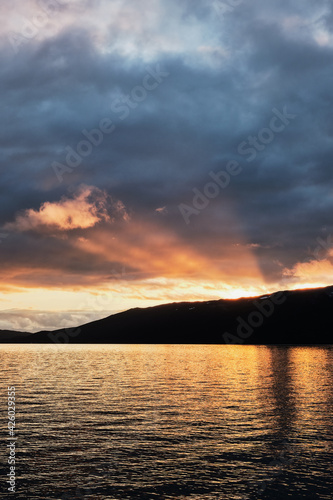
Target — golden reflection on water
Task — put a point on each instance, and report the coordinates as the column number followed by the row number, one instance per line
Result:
column 183, row 419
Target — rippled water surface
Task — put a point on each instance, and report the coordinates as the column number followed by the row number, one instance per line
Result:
column 170, row 421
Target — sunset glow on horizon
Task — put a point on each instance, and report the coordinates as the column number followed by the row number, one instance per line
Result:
column 154, row 155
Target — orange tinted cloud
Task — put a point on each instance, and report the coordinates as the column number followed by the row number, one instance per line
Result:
column 88, row 206
column 95, row 255
column 311, row 274
column 155, row 251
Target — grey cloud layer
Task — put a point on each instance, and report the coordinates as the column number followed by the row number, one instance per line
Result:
column 191, row 124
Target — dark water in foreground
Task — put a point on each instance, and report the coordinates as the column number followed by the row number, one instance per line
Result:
column 170, row 422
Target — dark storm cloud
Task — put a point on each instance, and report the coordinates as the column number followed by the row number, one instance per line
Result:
column 264, row 57
column 282, row 195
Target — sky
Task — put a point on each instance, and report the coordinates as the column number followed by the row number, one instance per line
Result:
column 160, row 151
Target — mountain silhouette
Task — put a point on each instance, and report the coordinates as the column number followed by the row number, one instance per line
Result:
column 301, row 317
